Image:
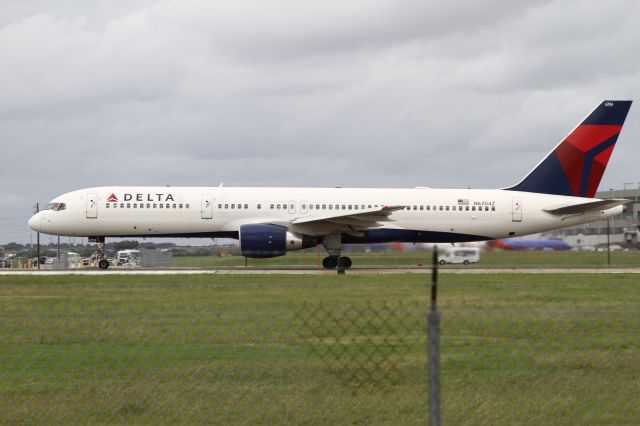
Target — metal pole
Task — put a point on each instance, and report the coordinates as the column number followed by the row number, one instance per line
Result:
column 433, row 347
column 609, row 241
column 38, row 238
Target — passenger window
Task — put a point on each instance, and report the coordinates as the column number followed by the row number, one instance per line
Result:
column 421, row 207
column 135, row 205
column 186, row 205
column 233, row 206
column 415, row 207
column 278, row 206
column 324, row 207
column 486, row 208
column 428, row 207
column 453, row 208
column 473, row 208
column 330, row 206
column 180, row 206
column 440, row 208
column 122, row 205
column 219, row 206
column 259, row 206
column 115, row 205
column 128, row 205
column 226, row 206
column 355, row 207
column 466, row 208
column 107, row 205
column 493, row 208
column 246, row 206
column 161, row 205
column 447, row 208
column 155, row 205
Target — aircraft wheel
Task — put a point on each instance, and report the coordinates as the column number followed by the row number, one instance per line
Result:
column 442, row 262
column 345, row 262
column 466, row 262
column 103, row 264
column 330, row 262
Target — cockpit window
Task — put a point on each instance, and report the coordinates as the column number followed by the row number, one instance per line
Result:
column 56, row 206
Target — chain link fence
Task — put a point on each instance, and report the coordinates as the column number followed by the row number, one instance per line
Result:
column 168, row 352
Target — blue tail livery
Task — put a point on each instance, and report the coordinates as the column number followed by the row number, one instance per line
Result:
column 575, row 167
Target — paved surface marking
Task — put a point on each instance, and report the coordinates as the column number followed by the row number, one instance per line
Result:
column 357, row 271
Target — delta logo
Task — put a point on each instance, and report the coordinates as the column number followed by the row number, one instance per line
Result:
column 142, row 197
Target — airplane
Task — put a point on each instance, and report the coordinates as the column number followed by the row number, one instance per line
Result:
column 269, row 222
column 516, row 244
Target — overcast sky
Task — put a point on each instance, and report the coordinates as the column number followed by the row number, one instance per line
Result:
column 295, row 93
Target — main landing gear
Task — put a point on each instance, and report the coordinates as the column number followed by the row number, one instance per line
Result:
column 333, row 244
column 331, row 262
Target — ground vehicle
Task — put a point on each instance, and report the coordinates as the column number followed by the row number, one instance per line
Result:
column 464, row 255
column 128, row 257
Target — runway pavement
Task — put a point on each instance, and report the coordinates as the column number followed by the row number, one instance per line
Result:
column 358, row 271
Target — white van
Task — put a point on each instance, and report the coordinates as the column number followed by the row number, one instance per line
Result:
column 128, row 258
column 464, row 255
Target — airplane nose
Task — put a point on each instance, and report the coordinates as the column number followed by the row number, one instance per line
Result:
column 35, row 222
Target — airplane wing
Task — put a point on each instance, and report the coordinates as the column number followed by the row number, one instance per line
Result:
column 360, row 219
column 588, row 206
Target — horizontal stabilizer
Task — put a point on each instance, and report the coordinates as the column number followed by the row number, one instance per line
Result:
column 588, row 207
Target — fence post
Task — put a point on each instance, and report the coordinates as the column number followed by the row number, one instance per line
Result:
column 433, row 347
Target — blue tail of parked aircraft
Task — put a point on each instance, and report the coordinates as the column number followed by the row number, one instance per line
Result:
column 575, row 167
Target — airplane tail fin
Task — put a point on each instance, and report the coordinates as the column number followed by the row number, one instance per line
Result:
column 575, row 167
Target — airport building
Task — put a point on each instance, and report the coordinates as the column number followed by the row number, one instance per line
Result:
column 622, row 229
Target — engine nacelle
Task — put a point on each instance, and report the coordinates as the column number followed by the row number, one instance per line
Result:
column 261, row 240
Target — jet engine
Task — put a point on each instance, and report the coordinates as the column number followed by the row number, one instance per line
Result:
column 262, row 240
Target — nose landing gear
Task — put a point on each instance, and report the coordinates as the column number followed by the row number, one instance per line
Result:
column 103, row 263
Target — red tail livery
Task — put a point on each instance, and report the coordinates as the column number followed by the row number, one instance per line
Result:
column 575, row 167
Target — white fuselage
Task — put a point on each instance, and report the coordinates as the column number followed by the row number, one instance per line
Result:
column 432, row 215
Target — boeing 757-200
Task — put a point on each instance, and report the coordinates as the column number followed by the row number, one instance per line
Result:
column 268, row 222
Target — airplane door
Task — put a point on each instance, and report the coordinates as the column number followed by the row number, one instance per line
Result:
column 92, row 206
column 206, row 208
column 516, row 209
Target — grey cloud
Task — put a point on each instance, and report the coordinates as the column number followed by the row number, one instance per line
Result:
column 291, row 93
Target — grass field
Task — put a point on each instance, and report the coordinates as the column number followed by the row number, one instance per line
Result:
column 496, row 259
column 516, row 349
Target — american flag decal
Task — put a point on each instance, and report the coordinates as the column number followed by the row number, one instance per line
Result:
column 463, row 201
